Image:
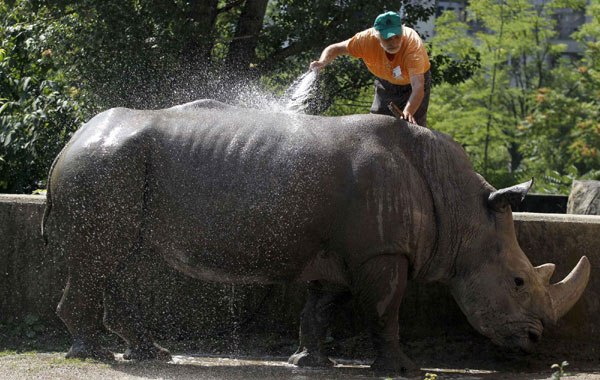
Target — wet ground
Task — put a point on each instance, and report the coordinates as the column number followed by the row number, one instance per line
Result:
column 53, row 365
column 264, row 356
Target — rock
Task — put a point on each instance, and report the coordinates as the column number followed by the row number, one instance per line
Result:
column 584, row 198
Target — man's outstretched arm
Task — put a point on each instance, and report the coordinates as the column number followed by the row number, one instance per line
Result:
column 330, row 53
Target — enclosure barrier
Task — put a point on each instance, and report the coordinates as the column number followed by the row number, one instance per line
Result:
column 32, row 280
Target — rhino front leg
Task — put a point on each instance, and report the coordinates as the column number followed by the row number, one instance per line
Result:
column 379, row 288
column 316, row 317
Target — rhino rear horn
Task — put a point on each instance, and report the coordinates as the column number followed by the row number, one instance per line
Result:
column 567, row 292
column 512, row 196
column 544, row 272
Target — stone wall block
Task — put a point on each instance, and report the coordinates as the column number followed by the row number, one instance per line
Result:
column 584, row 198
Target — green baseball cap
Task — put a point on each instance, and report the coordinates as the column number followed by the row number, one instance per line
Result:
column 388, row 24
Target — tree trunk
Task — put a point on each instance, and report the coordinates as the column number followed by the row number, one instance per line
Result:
column 204, row 15
column 516, row 157
column 242, row 48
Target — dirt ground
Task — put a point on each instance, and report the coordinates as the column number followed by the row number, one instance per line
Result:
column 53, row 365
column 251, row 357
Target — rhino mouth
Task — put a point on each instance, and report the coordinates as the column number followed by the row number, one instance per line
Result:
column 532, row 336
column 527, row 344
column 525, row 339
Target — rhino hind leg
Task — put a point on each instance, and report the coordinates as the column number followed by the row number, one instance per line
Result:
column 316, row 317
column 80, row 309
column 379, row 288
column 98, row 204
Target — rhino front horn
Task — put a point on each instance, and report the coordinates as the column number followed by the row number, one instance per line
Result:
column 567, row 292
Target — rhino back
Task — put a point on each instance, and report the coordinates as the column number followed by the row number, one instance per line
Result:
column 240, row 194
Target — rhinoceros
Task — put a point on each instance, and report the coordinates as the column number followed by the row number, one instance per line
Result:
column 353, row 205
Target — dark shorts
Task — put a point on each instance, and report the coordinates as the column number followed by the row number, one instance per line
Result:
column 386, row 92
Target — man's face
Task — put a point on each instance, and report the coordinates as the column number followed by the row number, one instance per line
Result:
column 392, row 44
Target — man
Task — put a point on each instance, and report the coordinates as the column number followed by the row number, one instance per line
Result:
column 395, row 54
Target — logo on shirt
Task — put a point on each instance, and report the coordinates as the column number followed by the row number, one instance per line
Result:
column 397, row 72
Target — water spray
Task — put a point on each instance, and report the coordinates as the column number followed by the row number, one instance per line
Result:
column 297, row 95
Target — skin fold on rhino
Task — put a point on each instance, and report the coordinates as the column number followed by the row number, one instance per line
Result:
column 356, row 205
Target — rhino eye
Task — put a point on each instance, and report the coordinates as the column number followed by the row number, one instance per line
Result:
column 519, row 281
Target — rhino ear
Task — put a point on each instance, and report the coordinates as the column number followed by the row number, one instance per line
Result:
column 512, row 196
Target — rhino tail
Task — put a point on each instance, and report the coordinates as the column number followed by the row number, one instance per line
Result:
column 48, row 208
column 44, row 231
column 46, row 214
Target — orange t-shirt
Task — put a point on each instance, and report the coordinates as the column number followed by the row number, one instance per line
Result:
column 410, row 60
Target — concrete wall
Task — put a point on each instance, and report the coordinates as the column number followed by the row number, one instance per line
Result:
column 30, row 279
column 31, row 282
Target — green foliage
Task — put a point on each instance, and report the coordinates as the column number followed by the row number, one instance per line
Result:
column 28, row 328
column 129, row 53
column 495, row 91
column 38, row 110
column 62, row 61
column 494, row 112
column 453, row 54
column 560, row 370
column 563, row 131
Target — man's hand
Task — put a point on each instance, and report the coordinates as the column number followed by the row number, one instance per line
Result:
column 317, row 65
column 417, row 83
column 408, row 116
